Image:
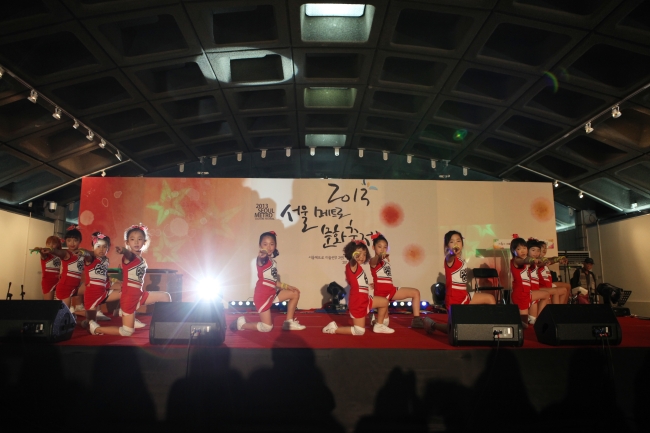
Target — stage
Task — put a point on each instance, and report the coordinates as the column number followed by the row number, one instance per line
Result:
column 310, row 381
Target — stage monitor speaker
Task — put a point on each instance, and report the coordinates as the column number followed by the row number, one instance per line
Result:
column 36, row 321
column 178, row 322
column 481, row 325
column 578, row 325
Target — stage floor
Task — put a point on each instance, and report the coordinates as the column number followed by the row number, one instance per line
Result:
column 636, row 333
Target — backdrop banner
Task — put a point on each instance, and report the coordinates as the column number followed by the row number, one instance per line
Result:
column 209, row 228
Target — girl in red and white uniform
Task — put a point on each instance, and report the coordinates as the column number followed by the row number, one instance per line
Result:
column 359, row 300
column 382, row 278
column 134, row 267
column 270, row 290
column 50, row 268
column 98, row 285
column 535, row 272
column 72, row 266
column 522, row 295
column 545, row 277
column 456, row 281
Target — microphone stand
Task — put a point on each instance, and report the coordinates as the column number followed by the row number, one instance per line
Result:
column 22, row 292
column 9, row 295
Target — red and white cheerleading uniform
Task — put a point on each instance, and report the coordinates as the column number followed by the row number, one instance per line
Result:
column 534, row 279
column 71, row 273
column 50, row 270
column 359, row 297
column 383, row 280
column 97, row 283
column 545, row 277
column 266, row 287
column 520, row 285
column 456, row 284
column 132, row 280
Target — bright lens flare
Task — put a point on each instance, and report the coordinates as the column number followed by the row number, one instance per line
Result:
column 208, row 288
column 460, row 134
column 552, row 81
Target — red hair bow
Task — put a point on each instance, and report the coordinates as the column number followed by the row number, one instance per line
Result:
column 72, row 227
column 99, row 237
column 272, row 232
column 140, row 226
column 375, row 236
column 515, row 236
column 358, row 241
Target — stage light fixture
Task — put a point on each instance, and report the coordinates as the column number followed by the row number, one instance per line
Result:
column 361, row 152
column 208, row 289
column 90, row 135
column 465, row 169
column 588, row 128
column 2, row 72
column 556, row 184
column 581, row 195
column 51, row 206
column 214, row 160
column 634, row 205
column 30, row 204
column 424, row 305
column 263, row 153
column 616, row 112
column 337, row 292
column 103, row 173
column 102, row 143
column 70, row 207
column 334, row 10
column 239, row 156
column 394, row 303
column 288, row 151
column 118, row 155
column 57, row 113
column 433, row 164
column 336, row 151
column 385, row 152
column 181, row 167
column 33, row 96
column 312, row 151
column 75, row 125
column 409, row 159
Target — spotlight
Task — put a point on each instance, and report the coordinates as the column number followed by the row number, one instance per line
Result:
column 465, row 171
column 90, row 135
column 581, row 195
column 118, row 155
column 439, row 291
column 312, row 151
column 103, row 173
column 102, row 143
column 334, row 10
column 401, row 304
column 336, row 151
column 385, row 152
column 338, row 295
column 394, row 303
column 51, row 206
column 208, row 289
column 239, row 156
column 361, row 153
column 409, row 303
column 57, row 113
column 214, row 160
column 33, row 96
column 616, row 112
column 263, row 153
column 588, row 128
column 634, row 205
column 409, row 159
column 433, row 164
column 181, row 167
column 288, row 151
column 424, row 305
column 2, row 72
column 75, row 125
column 556, row 184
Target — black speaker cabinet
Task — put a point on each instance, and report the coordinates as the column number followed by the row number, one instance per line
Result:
column 577, row 325
column 481, row 325
column 36, row 321
column 177, row 322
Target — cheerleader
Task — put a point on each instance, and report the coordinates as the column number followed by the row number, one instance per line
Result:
column 50, row 268
column 270, row 290
column 545, row 277
column 360, row 301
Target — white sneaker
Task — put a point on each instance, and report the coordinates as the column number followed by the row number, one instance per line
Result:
column 330, row 328
column 102, row 317
column 373, row 320
column 80, row 308
column 93, row 327
column 138, row 324
column 386, row 321
column 292, row 325
column 382, row 329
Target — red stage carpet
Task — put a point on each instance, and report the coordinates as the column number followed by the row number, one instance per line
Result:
column 636, row 333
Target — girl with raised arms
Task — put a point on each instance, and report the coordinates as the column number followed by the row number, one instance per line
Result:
column 522, row 295
column 270, row 290
column 545, row 277
column 360, row 301
column 557, row 296
column 456, row 280
column 134, row 267
column 50, row 267
column 382, row 278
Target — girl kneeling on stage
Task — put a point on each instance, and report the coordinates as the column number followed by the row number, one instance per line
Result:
column 383, row 280
column 269, row 290
column 456, row 281
column 134, row 268
column 360, row 301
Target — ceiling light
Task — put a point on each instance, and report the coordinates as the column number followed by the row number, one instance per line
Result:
column 90, row 135
column 2, row 72
column 361, row 153
column 103, row 173
column 634, row 205
column 33, row 96
column 75, row 125
column 263, row 153
column 118, row 155
column 336, row 151
column 181, row 167
column 409, row 159
column 446, row 161
column 556, row 184
column 616, row 112
column 588, row 128
column 288, row 151
column 239, row 156
column 433, row 163
column 581, row 195
column 312, row 151
column 385, row 152
column 102, row 143
column 70, row 207
column 465, row 171
column 57, row 113
column 214, row 160
column 334, row 10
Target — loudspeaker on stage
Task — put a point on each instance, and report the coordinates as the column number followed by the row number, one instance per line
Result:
column 178, row 322
column 36, row 321
column 482, row 325
column 577, row 325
